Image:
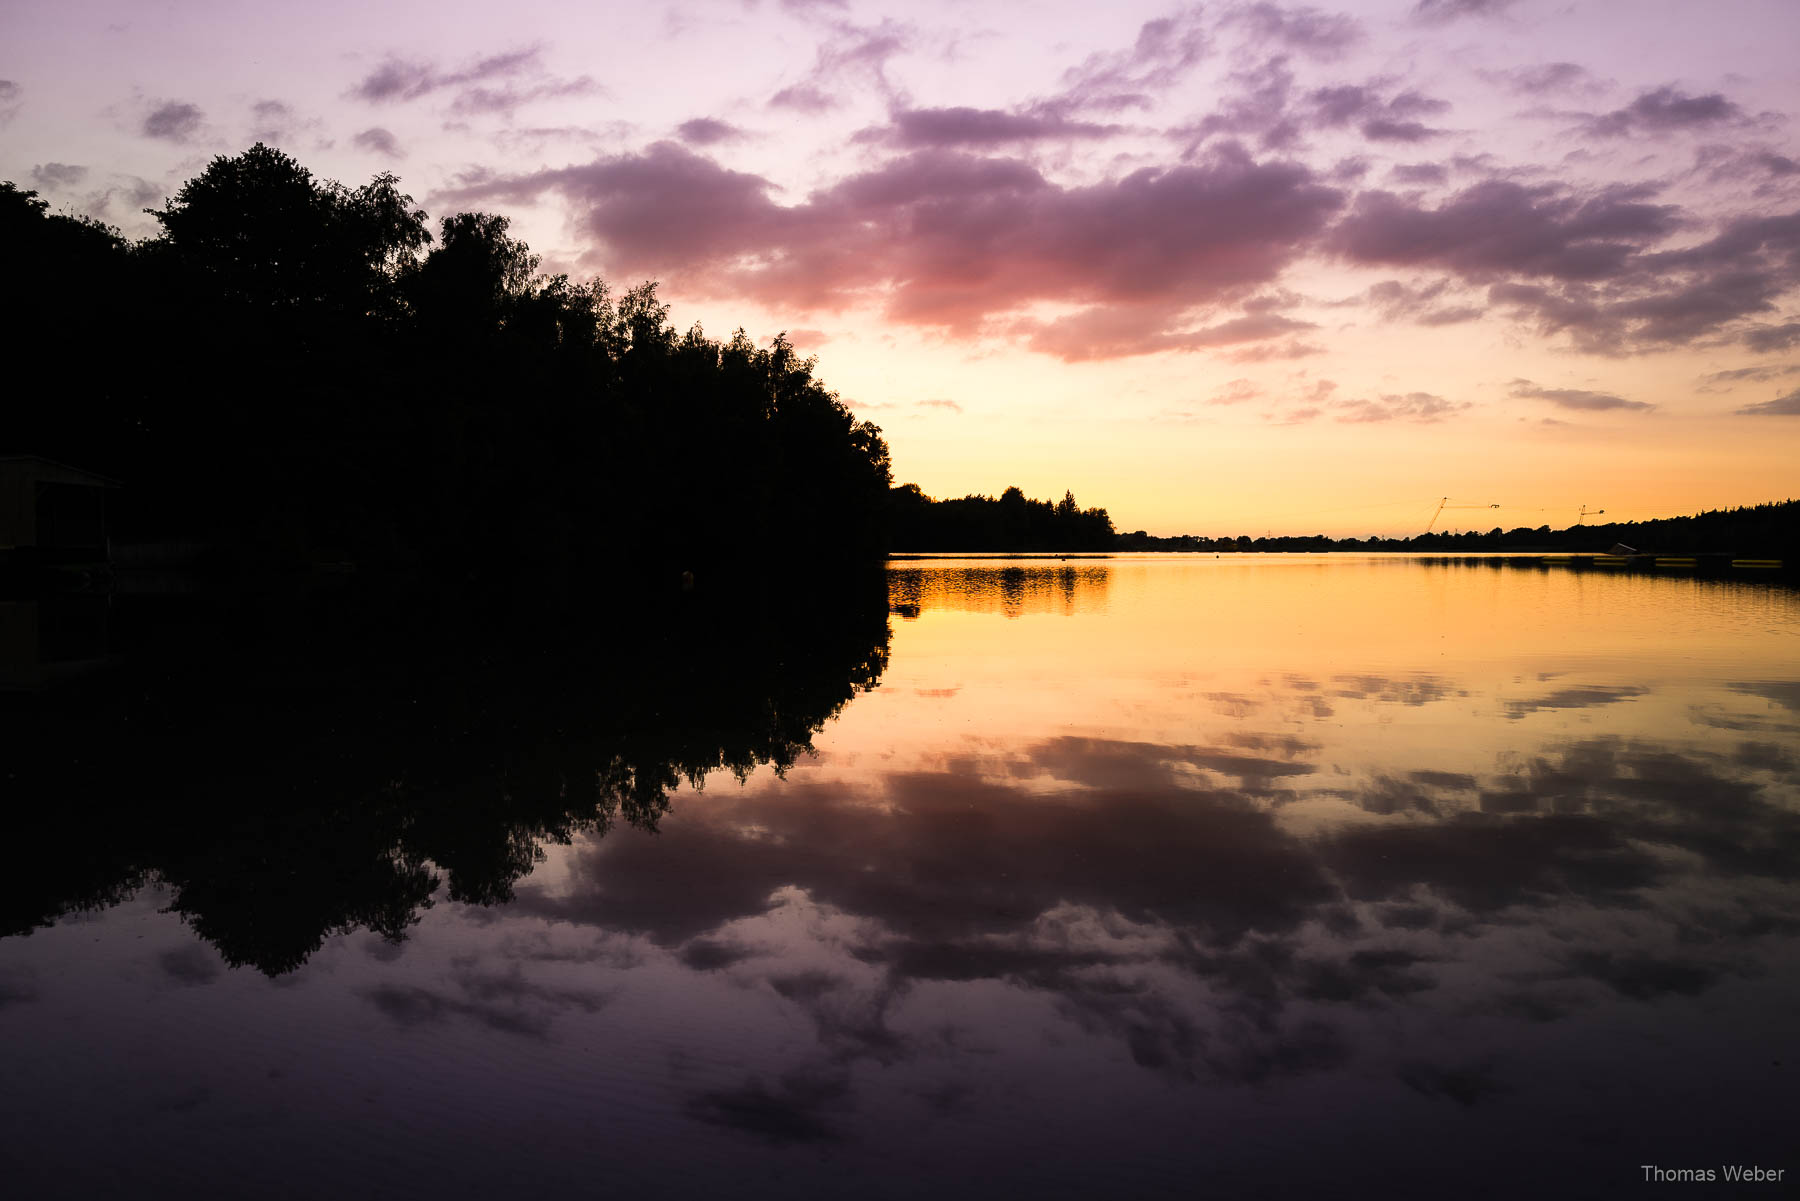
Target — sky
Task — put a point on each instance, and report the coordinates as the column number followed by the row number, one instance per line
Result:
column 1229, row 268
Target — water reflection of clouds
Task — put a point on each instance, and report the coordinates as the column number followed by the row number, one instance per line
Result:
column 1153, row 894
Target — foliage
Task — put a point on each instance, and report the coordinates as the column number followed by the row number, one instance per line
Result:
column 297, row 372
column 1752, row 530
column 983, row 523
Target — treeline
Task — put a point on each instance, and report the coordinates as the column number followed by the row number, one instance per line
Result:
column 1010, row 522
column 1771, row 530
column 298, row 372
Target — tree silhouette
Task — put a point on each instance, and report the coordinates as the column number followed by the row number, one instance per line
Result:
column 307, row 378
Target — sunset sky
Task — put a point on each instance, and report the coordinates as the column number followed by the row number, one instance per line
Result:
column 1223, row 268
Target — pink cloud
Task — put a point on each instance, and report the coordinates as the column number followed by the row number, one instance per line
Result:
column 951, row 240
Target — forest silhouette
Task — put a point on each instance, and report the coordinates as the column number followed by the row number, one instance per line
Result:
column 295, row 372
column 1010, row 522
column 1768, row 529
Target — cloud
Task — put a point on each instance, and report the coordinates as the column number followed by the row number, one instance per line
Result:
column 377, row 140
column 488, row 85
column 173, row 121
column 955, row 127
column 1236, row 392
column 1725, row 381
column 1418, row 173
column 714, row 954
column 275, row 122
column 1317, row 34
column 1441, row 11
column 804, row 98
column 56, row 176
column 1586, row 264
column 1501, row 228
column 11, row 100
column 1423, row 408
column 1259, row 106
column 398, row 79
column 1577, row 399
column 1119, row 331
column 1268, row 352
column 1382, row 120
column 1766, row 338
column 1396, row 301
column 708, row 131
column 951, row 240
column 1164, row 52
column 507, row 99
column 854, row 55
column 1383, row 130
column 1544, row 78
column 1661, row 111
column 1781, row 406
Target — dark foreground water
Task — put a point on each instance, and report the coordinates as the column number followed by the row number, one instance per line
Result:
column 1106, row 878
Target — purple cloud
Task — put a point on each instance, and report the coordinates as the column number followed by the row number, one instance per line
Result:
column 377, row 140
column 1259, row 106
column 56, row 176
column 952, row 127
column 1421, row 305
column 508, row 98
column 1766, row 338
column 1542, row 78
column 1390, row 120
column 1662, row 111
column 173, row 121
column 852, row 54
column 804, row 98
column 1165, row 50
column 1781, row 406
column 1419, row 173
column 1398, row 131
column 1439, row 11
column 1577, row 399
column 708, row 131
column 1497, row 227
column 11, row 96
column 488, row 85
column 1737, row 165
column 398, row 79
column 1725, row 381
column 1314, row 33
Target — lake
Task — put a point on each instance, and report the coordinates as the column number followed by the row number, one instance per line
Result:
column 1099, row 877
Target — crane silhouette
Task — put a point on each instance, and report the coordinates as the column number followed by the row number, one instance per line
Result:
column 1444, row 503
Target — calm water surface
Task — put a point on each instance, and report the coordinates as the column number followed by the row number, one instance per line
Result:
column 1113, row 877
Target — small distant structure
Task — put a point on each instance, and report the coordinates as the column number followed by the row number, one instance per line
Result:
column 51, row 512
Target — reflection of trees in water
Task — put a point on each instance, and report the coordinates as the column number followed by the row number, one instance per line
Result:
column 287, row 790
column 1015, row 589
